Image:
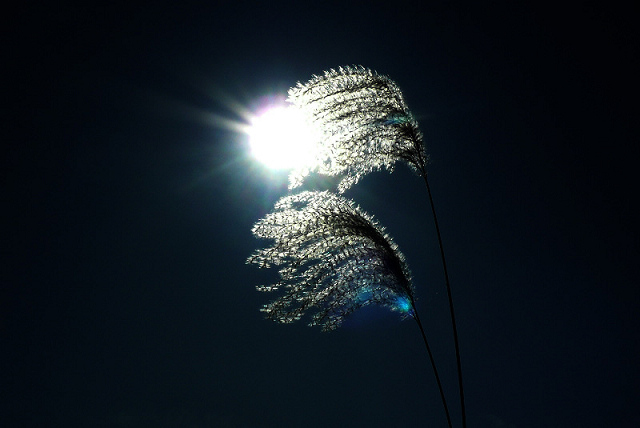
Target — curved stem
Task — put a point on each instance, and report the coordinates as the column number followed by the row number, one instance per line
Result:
column 453, row 317
column 433, row 364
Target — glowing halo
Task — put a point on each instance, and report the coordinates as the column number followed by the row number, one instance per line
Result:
column 281, row 138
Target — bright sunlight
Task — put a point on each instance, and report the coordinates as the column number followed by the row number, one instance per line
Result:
column 281, row 138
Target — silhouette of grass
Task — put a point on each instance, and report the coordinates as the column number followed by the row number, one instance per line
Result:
column 336, row 257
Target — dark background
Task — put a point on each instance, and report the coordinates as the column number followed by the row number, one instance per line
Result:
column 128, row 203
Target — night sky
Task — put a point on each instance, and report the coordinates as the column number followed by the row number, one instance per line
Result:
column 129, row 198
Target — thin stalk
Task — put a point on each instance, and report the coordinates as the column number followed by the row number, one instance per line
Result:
column 433, row 364
column 453, row 317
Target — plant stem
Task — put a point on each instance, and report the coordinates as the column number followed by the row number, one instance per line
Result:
column 433, row 364
column 453, row 317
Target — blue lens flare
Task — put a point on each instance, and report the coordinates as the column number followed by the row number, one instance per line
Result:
column 403, row 305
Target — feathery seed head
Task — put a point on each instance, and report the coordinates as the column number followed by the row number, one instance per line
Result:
column 332, row 256
column 365, row 121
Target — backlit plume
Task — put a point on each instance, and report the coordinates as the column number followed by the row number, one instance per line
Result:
column 331, row 256
column 365, row 122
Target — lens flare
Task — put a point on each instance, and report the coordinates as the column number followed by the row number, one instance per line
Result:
column 403, row 305
column 281, row 138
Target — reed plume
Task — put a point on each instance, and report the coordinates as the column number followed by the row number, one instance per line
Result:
column 332, row 257
column 365, row 124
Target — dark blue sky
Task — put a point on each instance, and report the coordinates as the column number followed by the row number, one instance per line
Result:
column 125, row 300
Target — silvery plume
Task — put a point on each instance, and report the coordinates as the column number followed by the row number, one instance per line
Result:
column 332, row 257
column 365, row 125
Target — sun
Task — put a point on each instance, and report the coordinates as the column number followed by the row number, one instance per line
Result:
column 281, row 138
